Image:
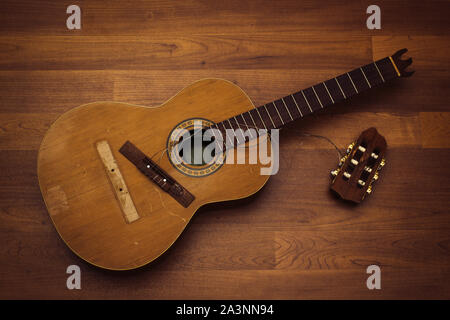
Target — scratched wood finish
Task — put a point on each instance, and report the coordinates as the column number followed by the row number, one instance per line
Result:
column 291, row 240
column 74, row 184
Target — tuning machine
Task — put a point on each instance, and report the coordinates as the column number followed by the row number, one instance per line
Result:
column 335, row 172
column 350, row 147
column 376, row 175
column 359, row 168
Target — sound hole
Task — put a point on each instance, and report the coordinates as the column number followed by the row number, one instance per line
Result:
column 192, row 152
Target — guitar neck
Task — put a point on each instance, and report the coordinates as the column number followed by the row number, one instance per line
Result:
column 304, row 102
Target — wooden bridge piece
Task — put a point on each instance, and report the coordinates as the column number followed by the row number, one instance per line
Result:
column 117, row 182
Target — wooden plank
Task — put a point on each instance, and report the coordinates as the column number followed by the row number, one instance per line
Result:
column 19, row 182
column 188, row 52
column 339, row 250
column 435, row 129
column 236, row 284
column 52, row 91
column 200, row 17
column 25, row 131
column 402, row 130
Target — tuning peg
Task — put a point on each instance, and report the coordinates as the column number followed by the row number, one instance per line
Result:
column 350, row 147
column 369, row 190
column 375, row 176
column 382, row 164
column 334, row 173
column 341, row 162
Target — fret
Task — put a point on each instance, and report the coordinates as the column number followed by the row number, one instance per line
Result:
column 237, row 123
column 250, row 122
column 365, row 77
column 251, row 118
column 296, row 105
column 238, row 133
column 278, row 112
column 321, row 105
column 323, row 95
column 246, row 125
column 222, row 142
column 231, row 128
column 334, row 89
column 358, row 79
column 245, row 122
column 352, row 82
column 287, row 109
column 306, row 101
column 294, row 112
column 346, row 85
column 219, row 142
column 229, row 123
column 262, row 119
column 302, row 103
column 328, row 91
column 387, row 69
column 258, row 118
column 226, row 135
column 271, row 111
column 372, row 75
column 375, row 64
column 339, row 85
column 395, row 66
column 271, row 120
column 312, row 99
column 281, row 111
column 259, row 114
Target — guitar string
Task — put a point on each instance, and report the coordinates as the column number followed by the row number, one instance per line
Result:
column 306, row 134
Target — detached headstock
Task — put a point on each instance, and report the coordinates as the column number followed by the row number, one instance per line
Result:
column 359, row 168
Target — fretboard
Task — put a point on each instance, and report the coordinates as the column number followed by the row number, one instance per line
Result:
column 304, row 102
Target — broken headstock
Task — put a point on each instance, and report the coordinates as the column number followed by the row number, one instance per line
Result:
column 360, row 167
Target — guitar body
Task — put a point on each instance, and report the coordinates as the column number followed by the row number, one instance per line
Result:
column 80, row 197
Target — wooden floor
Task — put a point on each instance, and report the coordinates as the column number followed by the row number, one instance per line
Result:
column 292, row 240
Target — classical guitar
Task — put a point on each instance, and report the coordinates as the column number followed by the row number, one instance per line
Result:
column 119, row 188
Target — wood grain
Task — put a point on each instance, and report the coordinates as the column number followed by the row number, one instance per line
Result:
column 436, row 129
column 293, row 239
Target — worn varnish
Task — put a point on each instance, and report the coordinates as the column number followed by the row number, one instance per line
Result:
column 291, row 240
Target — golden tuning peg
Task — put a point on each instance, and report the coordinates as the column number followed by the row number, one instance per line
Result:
column 350, row 147
column 382, row 163
column 375, row 176
column 341, row 162
column 334, row 173
column 369, row 190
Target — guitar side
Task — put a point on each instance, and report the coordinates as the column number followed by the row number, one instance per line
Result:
column 81, row 196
